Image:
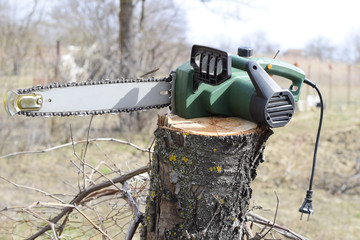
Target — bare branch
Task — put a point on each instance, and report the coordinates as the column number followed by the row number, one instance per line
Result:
column 103, row 175
column 248, row 231
column 101, row 222
column 259, row 236
column 67, row 206
column 92, row 223
column 99, row 194
column 33, row 189
column 149, row 150
column 138, row 216
column 61, row 228
column 79, row 158
column 86, row 193
column 150, row 72
column 83, row 160
column 52, row 225
column 280, row 229
column 108, row 158
column 75, row 143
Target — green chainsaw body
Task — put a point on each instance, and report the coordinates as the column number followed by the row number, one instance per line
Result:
column 232, row 97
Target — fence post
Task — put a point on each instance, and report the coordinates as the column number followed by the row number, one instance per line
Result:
column 330, row 85
column 57, row 63
column 348, row 95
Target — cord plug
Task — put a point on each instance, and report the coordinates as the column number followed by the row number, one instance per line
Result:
column 306, row 207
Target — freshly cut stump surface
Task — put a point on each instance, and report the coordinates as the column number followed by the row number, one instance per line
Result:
column 200, row 177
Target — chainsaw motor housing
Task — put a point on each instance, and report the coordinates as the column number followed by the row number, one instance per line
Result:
column 270, row 104
column 249, row 92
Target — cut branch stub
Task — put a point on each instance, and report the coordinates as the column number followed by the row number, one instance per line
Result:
column 200, row 177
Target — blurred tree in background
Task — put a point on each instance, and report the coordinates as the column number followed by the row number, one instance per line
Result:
column 103, row 40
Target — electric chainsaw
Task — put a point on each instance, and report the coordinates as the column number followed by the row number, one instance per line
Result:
column 212, row 82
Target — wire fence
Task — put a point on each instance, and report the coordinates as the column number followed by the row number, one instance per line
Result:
column 105, row 205
column 339, row 83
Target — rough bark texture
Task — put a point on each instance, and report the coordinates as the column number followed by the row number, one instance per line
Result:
column 127, row 38
column 129, row 121
column 200, row 184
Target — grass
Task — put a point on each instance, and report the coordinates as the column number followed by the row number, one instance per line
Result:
column 333, row 218
column 286, row 170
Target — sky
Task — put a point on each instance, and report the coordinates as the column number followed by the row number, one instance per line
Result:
column 290, row 24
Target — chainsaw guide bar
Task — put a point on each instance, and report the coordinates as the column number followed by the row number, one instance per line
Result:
column 95, row 97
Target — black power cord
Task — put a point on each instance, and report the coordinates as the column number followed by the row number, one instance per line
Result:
column 306, row 207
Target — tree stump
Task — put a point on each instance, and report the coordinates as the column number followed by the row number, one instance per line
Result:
column 200, row 177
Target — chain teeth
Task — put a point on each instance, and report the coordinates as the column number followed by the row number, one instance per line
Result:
column 92, row 112
column 97, row 112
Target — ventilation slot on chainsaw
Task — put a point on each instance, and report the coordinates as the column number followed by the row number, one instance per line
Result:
column 279, row 109
column 211, row 66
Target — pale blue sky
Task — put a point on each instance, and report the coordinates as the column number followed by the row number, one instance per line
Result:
column 288, row 23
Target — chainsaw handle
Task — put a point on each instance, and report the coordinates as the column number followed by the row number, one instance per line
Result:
column 275, row 67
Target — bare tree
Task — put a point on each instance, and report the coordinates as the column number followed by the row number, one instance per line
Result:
column 19, row 31
column 351, row 49
column 91, row 26
column 130, row 37
column 127, row 38
column 260, row 42
column 321, row 48
column 162, row 32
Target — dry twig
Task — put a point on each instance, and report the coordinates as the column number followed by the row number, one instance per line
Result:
column 138, row 216
column 86, row 193
column 259, row 236
column 252, row 217
column 83, row 159
column 52, row 224
column 33, row 189
column 75, row 143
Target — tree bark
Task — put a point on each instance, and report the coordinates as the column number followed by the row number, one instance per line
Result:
column 127, row 38
column 129, row 121
column 200, row 177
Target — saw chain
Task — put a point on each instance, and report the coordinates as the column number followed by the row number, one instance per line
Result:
column 29, row 91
